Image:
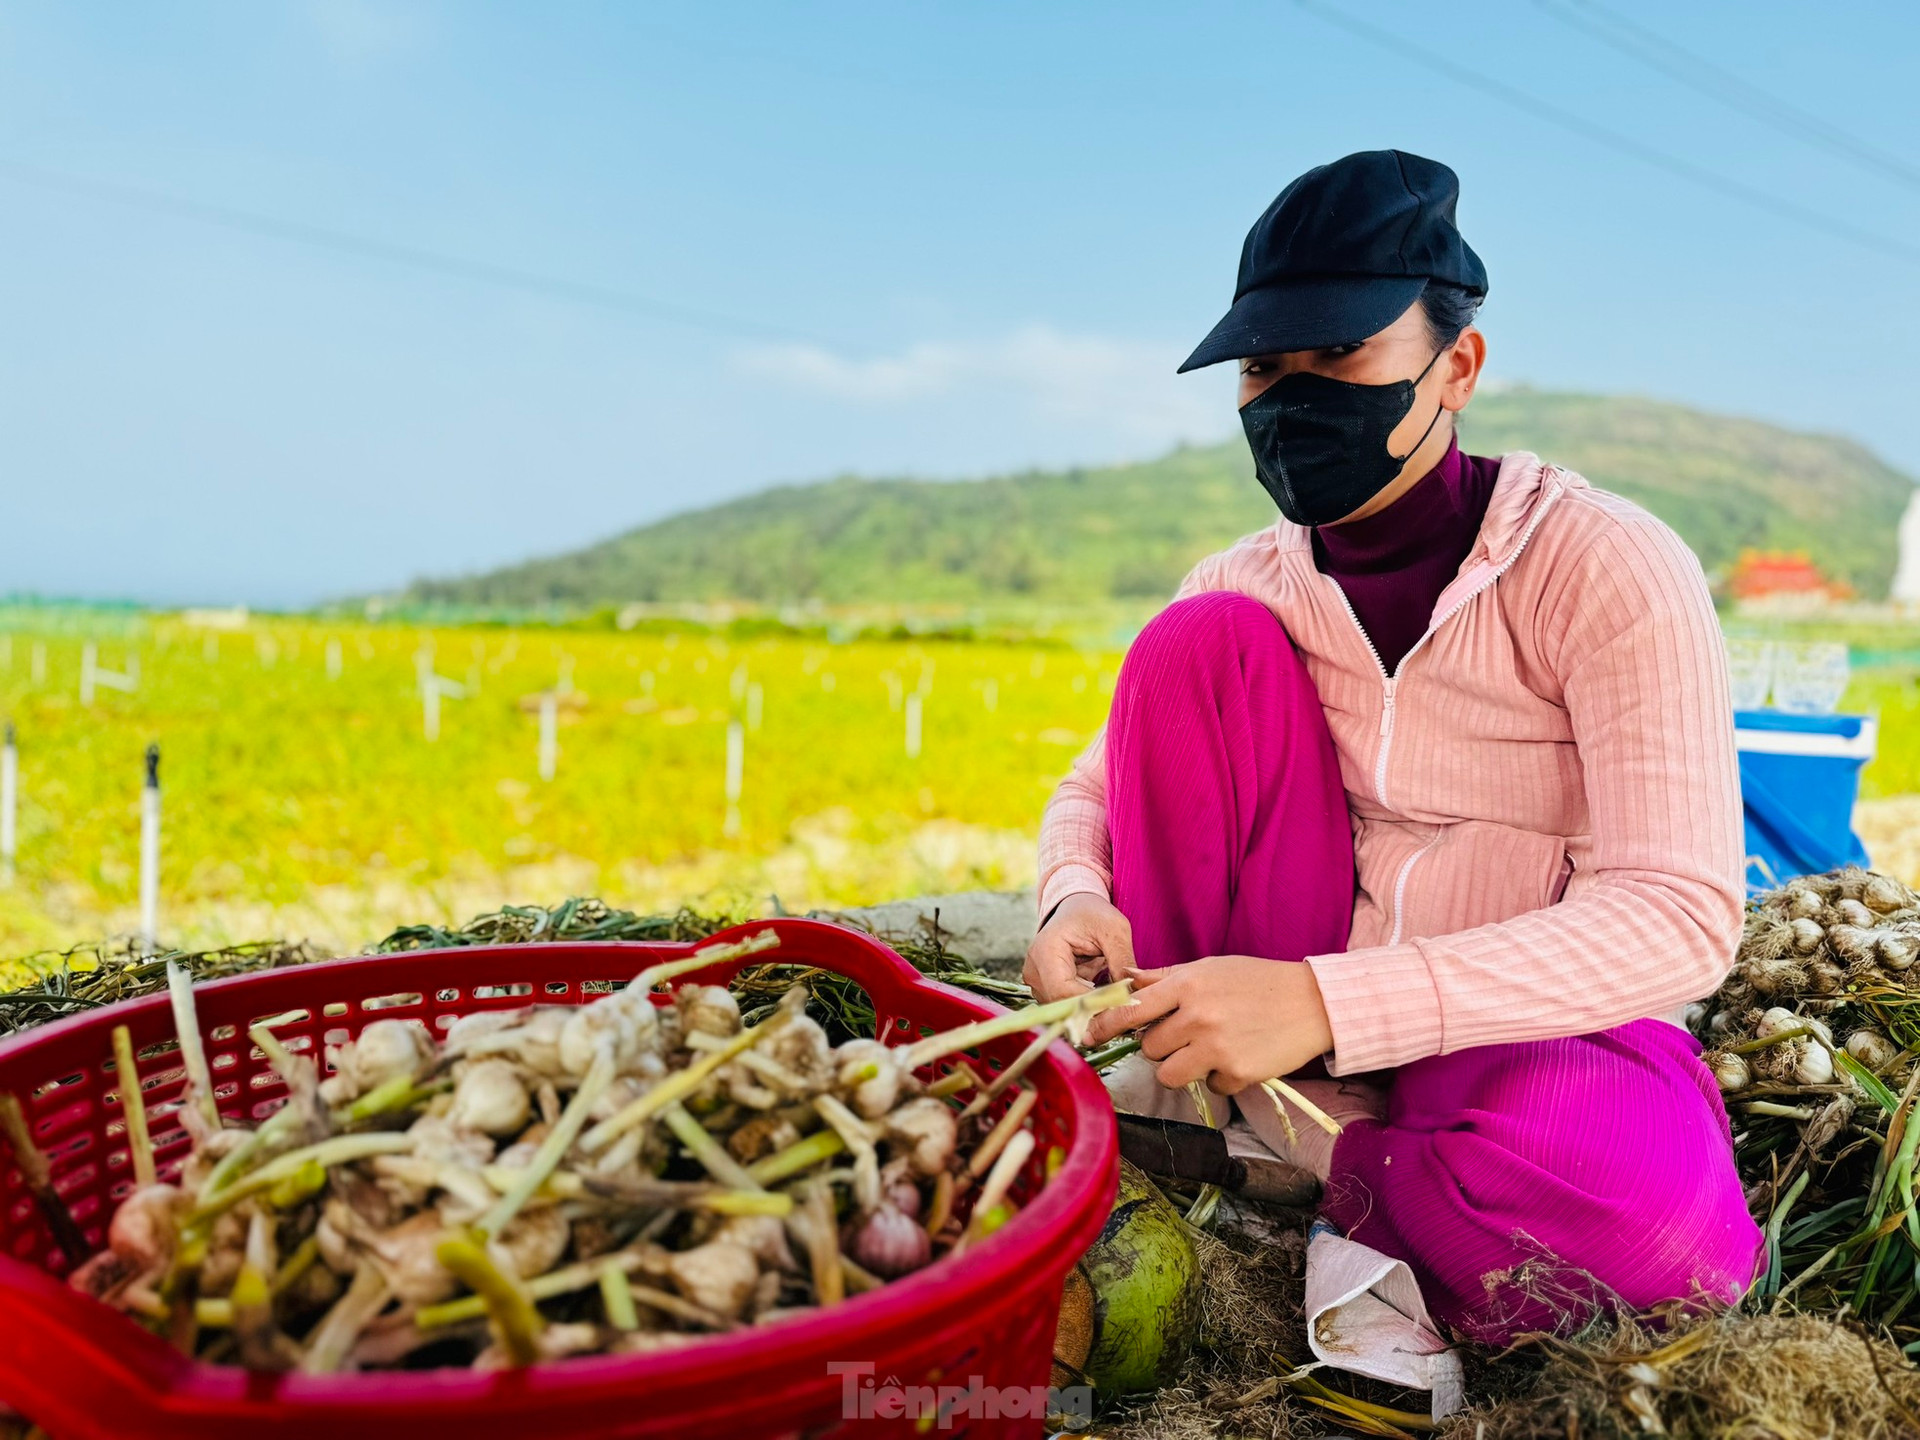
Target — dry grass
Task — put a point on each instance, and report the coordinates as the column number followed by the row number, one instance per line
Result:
column 1731, row 1377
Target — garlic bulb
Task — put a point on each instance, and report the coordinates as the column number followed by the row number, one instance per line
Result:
column 534, row 1242
column 1852, row 912
column 867, row 1077
column 1807, row 936
column 1773, row 1021
column 1854, row 944
column 1884, row 894
column 462, row 1034
column 537, row 1041
column 142, row 1230
column 719, row 1276
column 1871, row 1049
column 927, row 1130
column 761, row 1136
column 490, row 1098
column 708, row 1009
column 1813, row 1064
column 889, row 1243
column 385, row 1050
column 1894, row 951
column 801, row 1047
column 1802, row 904
column 1731, row 1072
column 761, row 1236
column 1778, row 976
column 437, row 1138
column 408, row 1259
column 624, row 1020
column 904, row 1195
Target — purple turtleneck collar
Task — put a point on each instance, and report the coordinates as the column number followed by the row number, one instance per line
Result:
column 1394, row 565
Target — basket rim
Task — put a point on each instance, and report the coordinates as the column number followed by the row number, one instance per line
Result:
column 1069, row 1207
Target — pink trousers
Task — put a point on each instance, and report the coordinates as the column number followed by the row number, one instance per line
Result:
column 1524, row 1184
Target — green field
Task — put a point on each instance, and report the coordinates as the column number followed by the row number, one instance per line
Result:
column 303, row 805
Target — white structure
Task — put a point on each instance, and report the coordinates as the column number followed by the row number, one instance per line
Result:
column 1906, row 576
column 150, row 853
column 9, row 803
column 736, row 766
column 549, row 733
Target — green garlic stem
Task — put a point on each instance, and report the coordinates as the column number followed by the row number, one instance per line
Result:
column 677, row 1086
column 327, row 1347
column 1022, row 1063
column 965, row 1037
column 338, row 1150
column 700, row 959
column 1113, row 1053
column 616, row 1298
column 133, row 1104
column 516, row 1323
column 554, row 1148
column 711, row 1154
column 803, row 1154
column 1281, row 1089
column 999, row 1181
column 1003, row 1132
column 193, row 1050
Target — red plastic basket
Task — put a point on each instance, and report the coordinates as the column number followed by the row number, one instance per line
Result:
column 980, row 1326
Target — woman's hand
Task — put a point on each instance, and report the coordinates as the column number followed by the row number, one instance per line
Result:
column 1231, row 1020
column 1085, row 937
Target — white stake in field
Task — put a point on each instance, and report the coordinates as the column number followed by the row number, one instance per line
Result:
column 432, row 687
column 9, row 803
column 549, row 734
column 736, row 766
column 150, row 853
column 37, row 664
column 333, row 659
column 93, row 677
column 913, row 726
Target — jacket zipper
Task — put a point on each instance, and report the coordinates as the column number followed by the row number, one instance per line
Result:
column 1400, row 890
column 1389, row 682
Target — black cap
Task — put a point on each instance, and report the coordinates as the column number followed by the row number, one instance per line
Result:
column 1341, row 254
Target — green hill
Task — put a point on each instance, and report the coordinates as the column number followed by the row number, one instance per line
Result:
column 1725, row 484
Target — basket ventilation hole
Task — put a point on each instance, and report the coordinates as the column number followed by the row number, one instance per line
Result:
column 446, row 997
column 498, row 992
column 399, row 1000
column 223, row 1032
column 337, row 1008
column 60, row 1084
column 556, row 987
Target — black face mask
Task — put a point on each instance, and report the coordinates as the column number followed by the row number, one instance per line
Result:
column 1320, row 445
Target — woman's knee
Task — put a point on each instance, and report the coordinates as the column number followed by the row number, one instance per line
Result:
column 1213, row 633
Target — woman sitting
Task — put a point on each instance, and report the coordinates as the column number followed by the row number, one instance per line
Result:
column 1454, row 734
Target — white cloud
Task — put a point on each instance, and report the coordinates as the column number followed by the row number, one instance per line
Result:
column 1122, row 394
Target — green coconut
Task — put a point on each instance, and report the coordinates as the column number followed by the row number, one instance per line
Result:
column 1131, row 1307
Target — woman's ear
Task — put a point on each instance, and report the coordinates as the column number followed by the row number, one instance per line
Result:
column 1463, row 365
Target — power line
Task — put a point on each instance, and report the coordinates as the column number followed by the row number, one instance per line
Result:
column 1703, row 76
column 1613, row 139
column 458, row 267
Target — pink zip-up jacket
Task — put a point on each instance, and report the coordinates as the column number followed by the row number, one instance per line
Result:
column 1545, row 799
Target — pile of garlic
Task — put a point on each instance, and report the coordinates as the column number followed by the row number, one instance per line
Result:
column 1819, row 959
column 558, row 1180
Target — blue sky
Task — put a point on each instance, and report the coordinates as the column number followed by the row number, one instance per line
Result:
column 935, row 239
